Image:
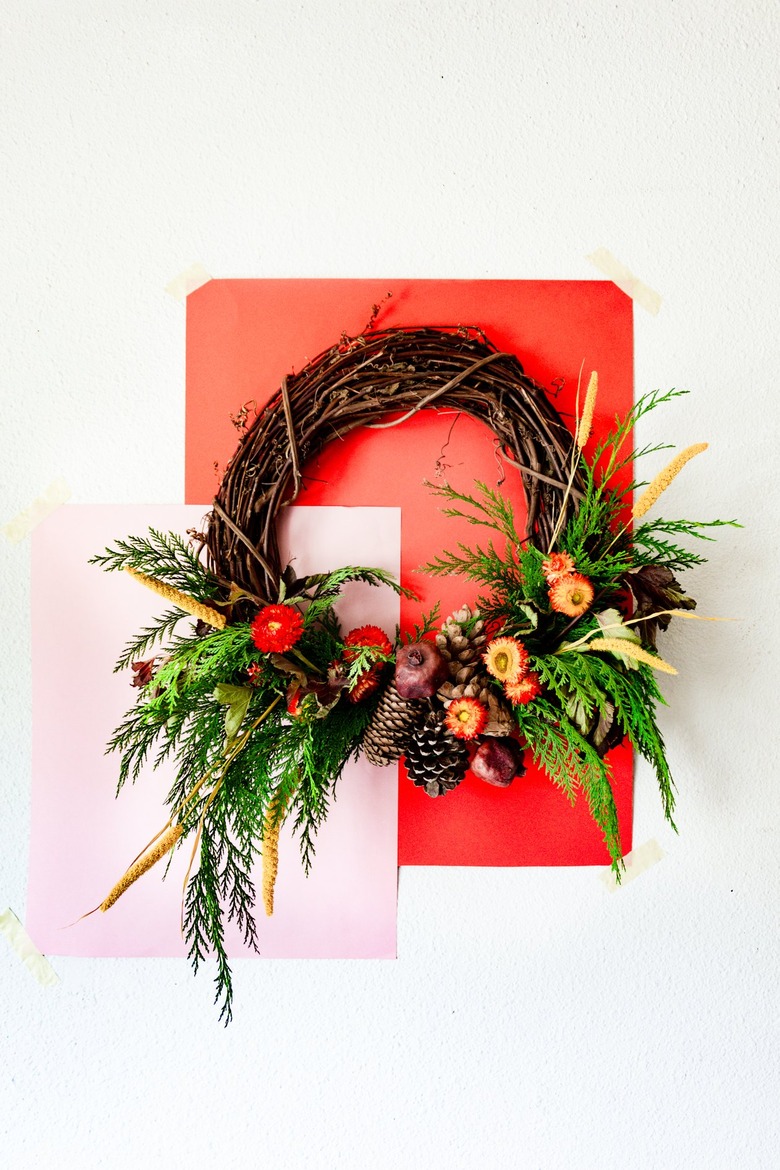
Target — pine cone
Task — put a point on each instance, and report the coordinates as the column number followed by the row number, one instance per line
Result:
column 435, row 759
column 462, row 650
column 391, row 726
column 500, row 720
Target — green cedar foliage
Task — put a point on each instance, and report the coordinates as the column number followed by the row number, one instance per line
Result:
column 585, row 697
column 217, row 708
column 164, row 555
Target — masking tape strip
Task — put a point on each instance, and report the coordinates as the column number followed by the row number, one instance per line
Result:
column 186, row 282
column 647, row 297
column 22, row 525
column 636, row 862
column 26, row 949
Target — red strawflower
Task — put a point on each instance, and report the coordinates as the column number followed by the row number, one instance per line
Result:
column 365, row 638
column 525, row 690
column 556, row 566
column 572, row 595
column 255, row 672
column 466, row 718
column 277, row 628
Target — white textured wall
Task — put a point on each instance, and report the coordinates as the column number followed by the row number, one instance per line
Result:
column 532, row 1019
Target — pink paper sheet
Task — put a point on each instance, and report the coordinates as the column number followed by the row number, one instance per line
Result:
column 82, row 838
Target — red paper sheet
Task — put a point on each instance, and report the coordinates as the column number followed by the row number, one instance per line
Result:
column 244, row 335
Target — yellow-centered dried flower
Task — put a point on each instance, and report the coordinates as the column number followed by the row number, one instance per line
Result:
column 586, row 422
column 506, row 659
column 631, row 650
column 138, row 868
column 664, row 478
column 181, row 600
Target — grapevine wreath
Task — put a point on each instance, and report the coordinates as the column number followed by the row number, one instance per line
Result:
column 263, row 698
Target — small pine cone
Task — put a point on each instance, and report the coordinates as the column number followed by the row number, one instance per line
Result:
column 462, row 650
column 500, row 721
column 435, row 759
column 391, row 727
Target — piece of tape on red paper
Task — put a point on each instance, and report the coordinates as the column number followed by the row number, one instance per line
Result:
column 187, row 282
column 624, row 278
column 243, row 336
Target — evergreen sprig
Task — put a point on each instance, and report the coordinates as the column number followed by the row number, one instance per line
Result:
column 164, row 555
column 213, row 706
column 586, row 699
column 160, row 628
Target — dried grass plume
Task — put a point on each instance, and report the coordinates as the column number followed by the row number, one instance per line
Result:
column 140, row 867
column 274, row 818
column 181, row 600
column 586, row 422
column 664, row 478
column 631, row 650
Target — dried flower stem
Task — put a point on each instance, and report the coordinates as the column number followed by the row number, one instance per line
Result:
column 575, row 454
column 586, row 422
column 631, row 650
column 181, row 600
column 166, row 843
column 664, row 478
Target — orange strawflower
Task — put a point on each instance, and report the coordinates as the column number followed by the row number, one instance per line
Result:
column 572, row 595
column 557, row 566
column 525, row 690
column 506, row 659
column 466, row 718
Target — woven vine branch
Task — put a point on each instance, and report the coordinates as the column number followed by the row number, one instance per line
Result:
column 358, row 382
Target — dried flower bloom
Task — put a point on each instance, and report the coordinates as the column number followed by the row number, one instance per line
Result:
column 557, row 566
column 466, row 718
column 371, row 638
column 525, row 690
column 572, row 595
column 277, row 628
column 506, row 659
column 367, row 637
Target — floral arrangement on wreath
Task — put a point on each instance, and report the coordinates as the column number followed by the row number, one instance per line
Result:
column 262, row 699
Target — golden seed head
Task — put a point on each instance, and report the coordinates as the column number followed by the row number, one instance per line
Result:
column 664, row 478
column 586, row 422
column 181, row 600
column 169, row 838
column 631, row 650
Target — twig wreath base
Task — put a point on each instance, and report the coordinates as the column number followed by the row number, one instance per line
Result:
column 359, row 382
column 263, row 700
